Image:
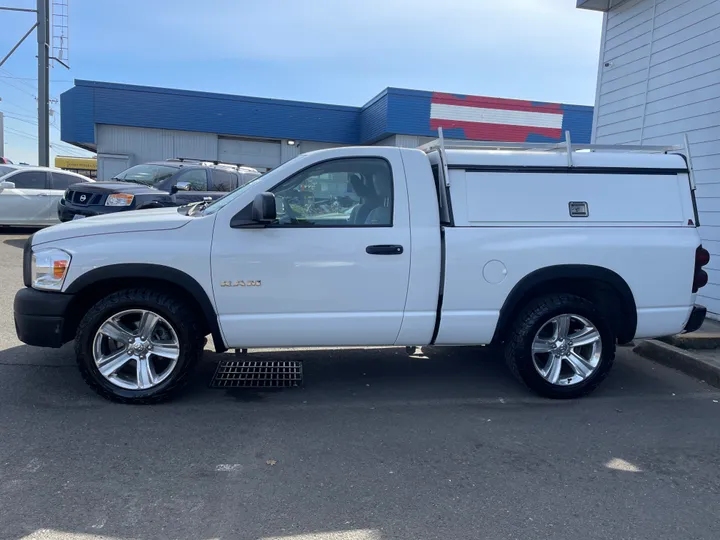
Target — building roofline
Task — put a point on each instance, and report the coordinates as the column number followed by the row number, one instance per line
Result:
column 287, row 102
column 211, row 95
column 595, row 5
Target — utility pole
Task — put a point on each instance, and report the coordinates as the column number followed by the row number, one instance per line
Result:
column 43, row 40
column 43, row 57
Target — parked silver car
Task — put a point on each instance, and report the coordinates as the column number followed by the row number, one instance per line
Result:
column 29, row 195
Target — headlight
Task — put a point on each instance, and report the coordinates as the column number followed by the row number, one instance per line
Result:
column 119, row 199
column 49, row 268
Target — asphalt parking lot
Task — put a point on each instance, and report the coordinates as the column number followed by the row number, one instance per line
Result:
column 375, row 446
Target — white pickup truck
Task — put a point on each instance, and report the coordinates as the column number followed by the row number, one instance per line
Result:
column 556, row 255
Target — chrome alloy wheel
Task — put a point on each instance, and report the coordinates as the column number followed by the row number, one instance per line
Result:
column 566, row 350
column 136, row 349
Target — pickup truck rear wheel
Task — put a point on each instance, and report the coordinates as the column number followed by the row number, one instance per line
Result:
column 138, row 346
column 561, row 346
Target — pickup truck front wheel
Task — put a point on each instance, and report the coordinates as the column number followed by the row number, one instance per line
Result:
column 561, row 346
column 138, row 346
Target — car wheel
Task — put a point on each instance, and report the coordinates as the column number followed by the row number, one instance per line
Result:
column 561, row 346
column 138, row 346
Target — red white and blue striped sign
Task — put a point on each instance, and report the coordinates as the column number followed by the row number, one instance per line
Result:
column 495, row 119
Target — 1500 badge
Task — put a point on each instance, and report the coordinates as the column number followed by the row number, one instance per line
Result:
column 248, row 283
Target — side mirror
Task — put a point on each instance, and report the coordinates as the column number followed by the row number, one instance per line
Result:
column 7, row 185
column 263, row 208
column 180, row 186
column 257, row 215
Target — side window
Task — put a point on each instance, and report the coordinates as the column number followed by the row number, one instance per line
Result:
column 63, row 181
column 196, row 177
column 351, row 192
column 224, row 180
column 30, row 180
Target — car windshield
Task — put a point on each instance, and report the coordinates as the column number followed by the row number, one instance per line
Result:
column 148, row 175
column 5, row 169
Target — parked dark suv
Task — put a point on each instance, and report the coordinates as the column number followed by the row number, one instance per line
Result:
column 174, row 182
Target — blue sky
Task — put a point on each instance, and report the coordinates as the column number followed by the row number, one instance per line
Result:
column 332, row 51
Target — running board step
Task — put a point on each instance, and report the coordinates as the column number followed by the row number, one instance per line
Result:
column 257, row 374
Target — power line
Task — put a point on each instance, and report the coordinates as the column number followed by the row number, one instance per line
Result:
column 20, row 120
column 18, row 115
column 16, row 87
column 18, row 133
column 33, row 78
column 20, row 80
column 74, row 152
column 4, row 101
column 70, row 150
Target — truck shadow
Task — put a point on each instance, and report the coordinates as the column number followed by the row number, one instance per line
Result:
column 49, row 377
column 15, row 242
column 7, row 234
column 386, row 373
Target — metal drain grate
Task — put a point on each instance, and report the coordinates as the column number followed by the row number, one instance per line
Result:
column 257, row 374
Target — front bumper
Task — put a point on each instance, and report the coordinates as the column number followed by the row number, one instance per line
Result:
column 40, row 317
column 697, row 317
column 67, row 211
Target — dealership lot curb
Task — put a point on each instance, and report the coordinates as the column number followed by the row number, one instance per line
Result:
column 705, row 366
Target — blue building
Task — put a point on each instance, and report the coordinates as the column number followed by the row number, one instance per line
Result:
column 127, row 124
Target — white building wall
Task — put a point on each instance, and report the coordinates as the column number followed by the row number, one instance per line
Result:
column 659, row 78
column 141, row 145
column 255, row 153
column 403, row 141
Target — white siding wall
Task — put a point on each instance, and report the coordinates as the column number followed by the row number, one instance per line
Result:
column 144, row 144
column 659, row 78
column 387, row 141
column 302, row 147
column 403, row 141
column 254, row 153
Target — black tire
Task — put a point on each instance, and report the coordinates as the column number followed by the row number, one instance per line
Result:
column 173, row 310
column 518, row 348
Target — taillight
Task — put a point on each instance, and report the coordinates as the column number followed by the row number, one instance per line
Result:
column 702, row 257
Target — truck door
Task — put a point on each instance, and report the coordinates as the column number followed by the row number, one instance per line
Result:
column 332, row 271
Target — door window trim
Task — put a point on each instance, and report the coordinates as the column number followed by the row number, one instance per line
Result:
column 334, row 226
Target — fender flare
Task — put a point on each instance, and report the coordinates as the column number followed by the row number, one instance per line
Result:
column 547, row 274
column 157, row 272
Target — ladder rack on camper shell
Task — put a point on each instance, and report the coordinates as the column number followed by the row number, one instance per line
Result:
column 566, row 146
column 208, row 162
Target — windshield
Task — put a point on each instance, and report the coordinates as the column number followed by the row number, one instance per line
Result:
column 4, row 169
column 148, row 175
column 217, row 204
